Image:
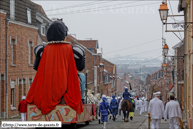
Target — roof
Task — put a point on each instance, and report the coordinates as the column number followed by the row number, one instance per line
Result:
column 72, row 37
column 39, row 9
column 177, row 45
column 89, row 43
column 171, row 86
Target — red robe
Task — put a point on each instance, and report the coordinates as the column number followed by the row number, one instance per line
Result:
column 56, row 77
column 22, row 107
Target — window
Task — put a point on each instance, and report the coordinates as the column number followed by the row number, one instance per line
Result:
column 12, row 9
column 30, row 44
column 29, row 15
column 2, row 92
column 13, row 95
column 13, row 52
column 30, row 82
column 24, row 87
column 91, row 49
column 20, row 90
column 43, row 30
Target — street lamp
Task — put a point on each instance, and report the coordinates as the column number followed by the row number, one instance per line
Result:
column 164, row 67
column 165, row 49
column 86, row 84
column 163, row 11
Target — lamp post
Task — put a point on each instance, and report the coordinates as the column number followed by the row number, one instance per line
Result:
column 86, row 84
column 165, row 49
column 163, row 11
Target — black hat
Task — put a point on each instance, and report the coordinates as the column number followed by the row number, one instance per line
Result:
column 57, row 31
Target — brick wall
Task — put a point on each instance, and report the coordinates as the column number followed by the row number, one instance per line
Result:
column 180, row 76
column 22, row 35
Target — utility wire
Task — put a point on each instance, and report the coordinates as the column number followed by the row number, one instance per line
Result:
column 134, row 54
column 91, row 3
column 91, row 9
column 146, row 61
column 173, row 17
column 134, row 46
column 98, row 8
column 79, row 5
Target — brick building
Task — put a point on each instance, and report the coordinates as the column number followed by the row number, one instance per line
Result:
column 160, row 81
column 22, row 38
column 24, row 33
column 101, row 77
column 179, row 76
column 28, row 25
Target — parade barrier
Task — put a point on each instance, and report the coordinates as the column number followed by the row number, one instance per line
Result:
column 62, row 113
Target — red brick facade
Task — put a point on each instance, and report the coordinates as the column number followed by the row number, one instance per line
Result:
column 18, row 67
column 180, row 76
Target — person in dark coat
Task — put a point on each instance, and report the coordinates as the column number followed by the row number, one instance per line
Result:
column 114, row 106
column 103, row 111
column 126, row 95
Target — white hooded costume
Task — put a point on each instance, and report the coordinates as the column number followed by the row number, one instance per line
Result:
column 139, row 103
column 156, row 109
column 173, row 112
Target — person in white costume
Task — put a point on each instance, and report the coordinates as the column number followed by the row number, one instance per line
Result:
column 146, row 104
column 136, row 106
column 120, row 109
column 139, row 103
column 173, row 112
column 156, row 110
column 143, row 104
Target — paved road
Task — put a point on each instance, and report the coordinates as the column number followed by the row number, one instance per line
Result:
column 137, row 123
column 118, row 124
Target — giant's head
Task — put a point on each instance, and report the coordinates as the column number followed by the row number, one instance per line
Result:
column 57, row 31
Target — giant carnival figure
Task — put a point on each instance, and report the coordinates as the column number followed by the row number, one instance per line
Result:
column 126, row 104
column 56, row 78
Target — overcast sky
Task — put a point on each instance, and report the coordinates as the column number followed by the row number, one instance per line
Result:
column 121, row 27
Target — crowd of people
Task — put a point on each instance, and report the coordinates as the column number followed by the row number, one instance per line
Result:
column 172, row 112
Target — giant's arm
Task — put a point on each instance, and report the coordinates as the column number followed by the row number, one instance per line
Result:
column 38, row 51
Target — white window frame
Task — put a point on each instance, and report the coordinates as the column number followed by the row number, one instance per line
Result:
column 29, row 51
column 30, row 82
column 15, row 43
column 12, row 9
column 13, row 85
column 29, row 20
column 42, row 26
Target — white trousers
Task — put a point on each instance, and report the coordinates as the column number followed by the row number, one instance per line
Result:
column 173, row 122
column 122, row 115
column 23, row 116
column 155, row 123
column 136, row 107
column 145, row 108
column 140, row 110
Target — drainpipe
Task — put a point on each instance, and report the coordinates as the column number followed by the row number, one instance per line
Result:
column 6, row 66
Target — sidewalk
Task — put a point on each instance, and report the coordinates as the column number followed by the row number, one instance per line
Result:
column 11, row 119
